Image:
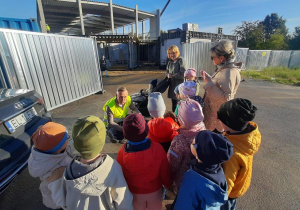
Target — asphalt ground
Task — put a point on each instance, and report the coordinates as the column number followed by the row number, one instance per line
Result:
column 275, row 181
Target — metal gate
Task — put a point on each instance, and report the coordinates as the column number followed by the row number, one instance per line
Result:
column 61, row 68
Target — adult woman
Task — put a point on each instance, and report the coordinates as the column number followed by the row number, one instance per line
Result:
column 175, row 71
column 222, row 85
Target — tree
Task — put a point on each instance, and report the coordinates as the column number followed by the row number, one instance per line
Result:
column 244, row 32
column 294, row 41
column 271, row 33
column 250, row 34
column 274, row 24
column 256, row 39
column 276, row 42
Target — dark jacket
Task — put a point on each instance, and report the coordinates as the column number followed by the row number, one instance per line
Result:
column 103, row 64
column 177, row 69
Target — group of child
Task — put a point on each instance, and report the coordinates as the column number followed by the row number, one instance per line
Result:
column 206, row 170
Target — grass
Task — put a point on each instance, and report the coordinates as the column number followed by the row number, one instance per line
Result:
column 278, row 74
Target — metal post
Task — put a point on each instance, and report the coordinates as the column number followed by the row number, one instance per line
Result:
column 42, row 16
column 143, row 30
column 157, row 23
column 132, row 29
column 81, row 17
column 112, row 24
column 136, row 21
column 123, row 30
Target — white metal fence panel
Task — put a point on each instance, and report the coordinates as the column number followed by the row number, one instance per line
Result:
column 258, row 59
column 295, row 59
column 61, row 68
column 241, row 55
column 197, row 55
column 279, row 58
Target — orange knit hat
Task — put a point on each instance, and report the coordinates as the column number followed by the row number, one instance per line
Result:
column 50, row 138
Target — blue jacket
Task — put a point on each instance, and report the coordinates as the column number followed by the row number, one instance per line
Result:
column 198, row 192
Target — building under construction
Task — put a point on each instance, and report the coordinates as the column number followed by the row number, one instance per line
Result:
column 120, row 31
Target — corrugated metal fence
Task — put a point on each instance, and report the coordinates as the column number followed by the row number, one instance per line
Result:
column 197, row 55
column 61, row 68
column 259, row 59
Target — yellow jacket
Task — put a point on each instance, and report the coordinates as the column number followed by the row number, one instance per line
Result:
column 238, row 169
column 118, row 112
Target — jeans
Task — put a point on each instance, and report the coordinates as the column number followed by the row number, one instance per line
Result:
column 116, row 134
column 105, row 73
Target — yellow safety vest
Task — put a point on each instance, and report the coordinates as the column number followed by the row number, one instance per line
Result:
column 47, row 27
column 118, row 112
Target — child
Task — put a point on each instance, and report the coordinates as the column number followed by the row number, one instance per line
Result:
column 235, row 117
column 185, row 90
column 171, row 115
column 204, row 185
column 144, row 163
column 190, row 117
column 48, row 154
column 161, row 130
column 152, row 85
column 191, row 75
column 92, row 180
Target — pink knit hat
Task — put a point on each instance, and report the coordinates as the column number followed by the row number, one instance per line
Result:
column 190, row 113
column 191, row 72
column 188, row 88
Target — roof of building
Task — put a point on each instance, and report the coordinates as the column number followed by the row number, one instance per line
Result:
column 63, row 16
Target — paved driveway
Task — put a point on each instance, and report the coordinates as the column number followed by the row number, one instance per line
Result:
column 275, row 182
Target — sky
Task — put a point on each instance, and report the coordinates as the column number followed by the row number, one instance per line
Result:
column 208, row 14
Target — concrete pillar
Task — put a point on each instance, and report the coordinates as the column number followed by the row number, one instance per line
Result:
column 111, row 16
column 155, row 25
column 123, row 30
column 132, row 29
column 81, row 18
column 116, row 31
column 42, row 16
column 136, row 21
column 143, row 30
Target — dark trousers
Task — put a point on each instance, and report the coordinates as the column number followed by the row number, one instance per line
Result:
column 116, row 134
column 230, row 204
column 174, row 104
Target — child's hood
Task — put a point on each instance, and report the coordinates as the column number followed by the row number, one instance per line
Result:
column 42, row 165
column 162, row 129
column 97, row 181
column 247, row 143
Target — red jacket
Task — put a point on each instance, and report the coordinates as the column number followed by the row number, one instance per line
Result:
column 145, row 171
column 162, row 129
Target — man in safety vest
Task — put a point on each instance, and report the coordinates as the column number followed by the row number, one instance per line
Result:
column 115, row 111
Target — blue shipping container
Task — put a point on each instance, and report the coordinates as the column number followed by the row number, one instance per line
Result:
column 20, row 24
